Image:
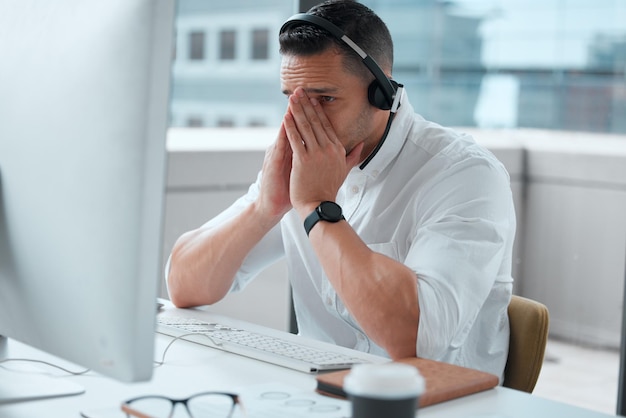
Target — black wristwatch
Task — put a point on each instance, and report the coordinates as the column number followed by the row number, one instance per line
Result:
column 326, row 211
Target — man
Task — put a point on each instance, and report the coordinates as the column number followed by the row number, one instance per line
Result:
column 398, row 248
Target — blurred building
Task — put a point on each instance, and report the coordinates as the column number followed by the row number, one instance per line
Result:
column 226, row 71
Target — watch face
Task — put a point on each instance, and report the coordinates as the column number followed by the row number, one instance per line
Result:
column 330, row 211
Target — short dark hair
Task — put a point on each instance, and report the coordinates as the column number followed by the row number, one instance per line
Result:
column 357, row 21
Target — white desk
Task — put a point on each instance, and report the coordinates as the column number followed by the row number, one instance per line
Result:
column 191, row 368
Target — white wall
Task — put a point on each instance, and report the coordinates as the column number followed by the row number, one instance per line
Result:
column 575, row 227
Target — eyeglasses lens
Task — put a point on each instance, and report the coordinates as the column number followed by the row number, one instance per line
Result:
column 155, row 407
column 211, row 406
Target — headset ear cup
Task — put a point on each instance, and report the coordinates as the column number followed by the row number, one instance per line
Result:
column 377, row 97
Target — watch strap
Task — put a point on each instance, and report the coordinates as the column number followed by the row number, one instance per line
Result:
column 316, row 216
column 310, row 221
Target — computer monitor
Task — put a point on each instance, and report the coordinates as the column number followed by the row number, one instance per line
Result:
column 84, row 97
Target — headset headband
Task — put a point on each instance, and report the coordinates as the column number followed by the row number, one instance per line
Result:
column 387, row 87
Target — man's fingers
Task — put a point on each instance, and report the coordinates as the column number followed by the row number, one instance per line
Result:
column 297, row 103
column 310, row 119
column 291, row 132
column 326, row 127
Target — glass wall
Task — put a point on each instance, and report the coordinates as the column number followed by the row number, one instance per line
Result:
column 226, row 72
column 554, row 64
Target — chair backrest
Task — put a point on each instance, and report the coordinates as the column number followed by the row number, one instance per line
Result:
column 528, row 320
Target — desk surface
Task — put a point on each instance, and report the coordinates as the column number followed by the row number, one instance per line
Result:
column 191, row 368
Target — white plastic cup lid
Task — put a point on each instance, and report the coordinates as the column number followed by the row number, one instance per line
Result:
column 387, row 380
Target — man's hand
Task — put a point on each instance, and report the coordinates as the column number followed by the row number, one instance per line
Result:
column 274, row 194
column 320, row 164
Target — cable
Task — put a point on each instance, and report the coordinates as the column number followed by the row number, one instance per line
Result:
column 74, row 373
column 47, row 364
column 160, row 363
column 380, row 143
column 392, row 114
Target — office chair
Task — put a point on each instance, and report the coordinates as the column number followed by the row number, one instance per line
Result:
column 528, row 321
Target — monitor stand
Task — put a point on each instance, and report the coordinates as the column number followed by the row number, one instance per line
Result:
column 28, row 384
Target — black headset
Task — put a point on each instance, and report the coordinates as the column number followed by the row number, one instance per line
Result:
column 382, row 91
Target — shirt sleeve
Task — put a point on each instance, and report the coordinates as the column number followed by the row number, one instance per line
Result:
column 464, row 234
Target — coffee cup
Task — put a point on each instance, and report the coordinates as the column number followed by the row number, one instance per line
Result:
column 384, row 390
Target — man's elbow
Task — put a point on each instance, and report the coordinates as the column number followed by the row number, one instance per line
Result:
column 402, row 342
column 182, row 292
column 186, row 293
column 402, row 350
column 178, row 296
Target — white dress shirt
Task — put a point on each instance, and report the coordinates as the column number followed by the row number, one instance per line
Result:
column 435, row 201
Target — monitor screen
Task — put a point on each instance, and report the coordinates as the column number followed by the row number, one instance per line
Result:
column 84, row 97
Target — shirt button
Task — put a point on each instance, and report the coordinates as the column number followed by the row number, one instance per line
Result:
column 329, row 301
column 354, row 189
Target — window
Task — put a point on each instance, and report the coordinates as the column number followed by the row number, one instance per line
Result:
column 225, row 122
column 509, row 64
column 559, row 64
column 195, row 122
column 260, row 44
column 228, row 39
column 196, row 45
column 256, row 123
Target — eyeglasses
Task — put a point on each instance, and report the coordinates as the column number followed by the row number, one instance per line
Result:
column 200, row 405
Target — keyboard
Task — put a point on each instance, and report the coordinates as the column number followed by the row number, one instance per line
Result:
column 271, row 349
